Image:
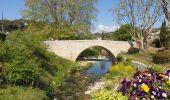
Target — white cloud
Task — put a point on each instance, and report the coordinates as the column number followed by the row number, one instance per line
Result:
column 106, row 29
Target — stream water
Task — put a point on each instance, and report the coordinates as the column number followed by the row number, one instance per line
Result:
column 99, row 68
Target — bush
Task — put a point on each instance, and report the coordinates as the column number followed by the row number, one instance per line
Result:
column 119, row 58
column 124, row 69
column 2, row 36
column 133, row 50
column 27, row 62
column 105, row 94
column 162, row 57
column 157, row 68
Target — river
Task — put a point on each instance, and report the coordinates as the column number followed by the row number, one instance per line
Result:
column 99, row 67
column 77, row 84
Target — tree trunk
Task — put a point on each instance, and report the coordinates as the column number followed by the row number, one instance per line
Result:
column 142, row 42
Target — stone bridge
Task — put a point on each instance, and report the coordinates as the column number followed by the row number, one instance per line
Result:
column 71, row 49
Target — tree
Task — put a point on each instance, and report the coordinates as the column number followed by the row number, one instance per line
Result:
column 164, row 35
column 142, row 14
column 62, row 13
column 164, row 5
column 123, row 33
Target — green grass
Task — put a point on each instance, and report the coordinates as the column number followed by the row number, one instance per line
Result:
column 22, row 93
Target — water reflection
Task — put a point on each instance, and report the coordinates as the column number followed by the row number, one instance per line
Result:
column 100, row 67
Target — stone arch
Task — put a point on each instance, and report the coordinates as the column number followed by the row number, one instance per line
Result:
column 71, row 49
column 85, row 48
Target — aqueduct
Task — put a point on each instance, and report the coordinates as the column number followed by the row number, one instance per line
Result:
column 71, row 49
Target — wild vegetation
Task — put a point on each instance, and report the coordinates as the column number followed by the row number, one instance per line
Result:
column 29, row 71
column 25, row 61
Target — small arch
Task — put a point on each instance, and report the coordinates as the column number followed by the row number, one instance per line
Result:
column 109, row 52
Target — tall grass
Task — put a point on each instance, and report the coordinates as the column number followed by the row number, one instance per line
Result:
column 22, row 93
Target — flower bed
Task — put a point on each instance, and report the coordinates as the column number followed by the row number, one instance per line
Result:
column 147, row 85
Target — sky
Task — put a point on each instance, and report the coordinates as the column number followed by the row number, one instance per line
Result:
column 12, row 9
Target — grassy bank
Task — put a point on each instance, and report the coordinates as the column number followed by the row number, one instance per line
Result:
column 25, row 62
column 22, row 93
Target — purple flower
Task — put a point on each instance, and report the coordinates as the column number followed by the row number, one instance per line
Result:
column 137, row 75
column 123, row 90
column 145, row 81
column 128, row 84
column 124, row 81
column 167, row 73
column 153, row 91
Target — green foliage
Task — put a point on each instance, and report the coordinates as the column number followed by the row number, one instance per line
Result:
column 123, row 33
column 54, row 32
column 105, row 94
column 162, row 57
column 27, row 62
column 165, row 36
column 157, row 43
column 133, row 50
column 94, row 51
column 11, row 25
column 2, row 37
column 119, row 58
column 123, row 68
column 158, row 68
column 67, row 15
column 22, row 93
column 89, row 53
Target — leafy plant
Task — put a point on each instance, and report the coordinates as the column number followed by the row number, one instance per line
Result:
column 123, row 33
column 133, row 50
column 2, row 36
column 105, row 94
column 27, row 62
column 162, row 57
column 123, row 68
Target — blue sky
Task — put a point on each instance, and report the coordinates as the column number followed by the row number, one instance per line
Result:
column 11, row 8
column 104, row 12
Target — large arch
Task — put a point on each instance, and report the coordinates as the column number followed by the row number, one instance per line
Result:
column 111, row 54
column 71, row 49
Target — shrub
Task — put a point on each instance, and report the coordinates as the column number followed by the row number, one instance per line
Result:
column 124, row 69
column 2, row 36
column 119, row 58
column 157, row 68
column 105, row 94
column 162, row 57
column 156, row 43
column 27, row 62
column 133, row 50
